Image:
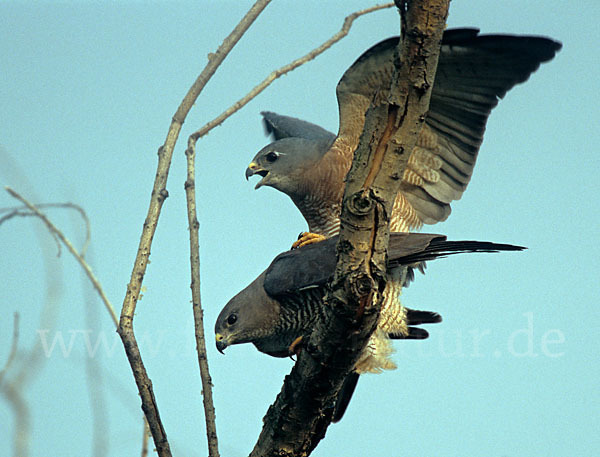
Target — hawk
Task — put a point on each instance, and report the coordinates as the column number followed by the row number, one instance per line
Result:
column 283, row 303
column 474, row 71
column 309, row 164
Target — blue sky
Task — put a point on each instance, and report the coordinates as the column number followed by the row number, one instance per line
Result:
column 87, row 92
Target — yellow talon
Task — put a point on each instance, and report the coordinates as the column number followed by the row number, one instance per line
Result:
column 295, row 346
column 307, row 238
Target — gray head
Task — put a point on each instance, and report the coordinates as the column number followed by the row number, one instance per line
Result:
column 248, row 316
column 283, row 163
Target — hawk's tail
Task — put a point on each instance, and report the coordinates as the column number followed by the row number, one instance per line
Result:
column 344, row 396
column 413, row 317
column 439, row 248
column 416, row 317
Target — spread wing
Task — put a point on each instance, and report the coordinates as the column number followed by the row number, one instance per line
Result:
column 279, row 127
column 474, row 72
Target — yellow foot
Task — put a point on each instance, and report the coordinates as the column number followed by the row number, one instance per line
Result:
column 307, row 238
column 295, row 347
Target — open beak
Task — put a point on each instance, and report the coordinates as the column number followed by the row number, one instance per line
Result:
column 255, row 169
column 221, row 343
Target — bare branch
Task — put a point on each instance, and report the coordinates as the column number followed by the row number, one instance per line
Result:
column 30, row 361
column 29, row 210
column 285, row 69
column 299, row 418
column 14, row 397
column 26, row 213
column 23, row 212
column 56, row 232
column 145, row 439
column 22, row 418
column 209, row 409
column 13, row 346
column 158, row 196
column 94, row 377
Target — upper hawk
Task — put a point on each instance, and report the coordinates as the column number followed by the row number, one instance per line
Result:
column 474, row 71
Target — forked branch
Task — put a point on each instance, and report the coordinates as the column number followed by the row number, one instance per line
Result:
column 158, row 196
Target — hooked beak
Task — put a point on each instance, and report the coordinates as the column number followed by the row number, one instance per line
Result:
column 255, row 169
column 221, row 343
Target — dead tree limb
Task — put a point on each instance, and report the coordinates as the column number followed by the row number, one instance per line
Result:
column 299, row 418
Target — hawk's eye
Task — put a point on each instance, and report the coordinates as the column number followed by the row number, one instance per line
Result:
column 232, row 319
column 271, row 157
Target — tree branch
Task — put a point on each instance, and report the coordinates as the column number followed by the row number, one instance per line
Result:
column 31, row 360
column 158, row 196
column 209, row 409
column 13, row 347
column 299, row 418
column 24, row 212
column 22, row 415
column 283, row 70
column 57, row 233
column 145, row 439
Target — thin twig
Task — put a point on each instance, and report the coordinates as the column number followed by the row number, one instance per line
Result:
column 33, row 210
column 209, row 410
column 12, row 393
column 145, row 439
column 158, row 196
column 22, row 425
column 13, row 347
column 14, row 212
column 55, row 231
column 26, row 213
column 286, row 69
column 31, row 360
column 94, row 377
column 98, row 409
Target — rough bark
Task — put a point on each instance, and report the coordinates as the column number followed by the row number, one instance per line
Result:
column 298, row 420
